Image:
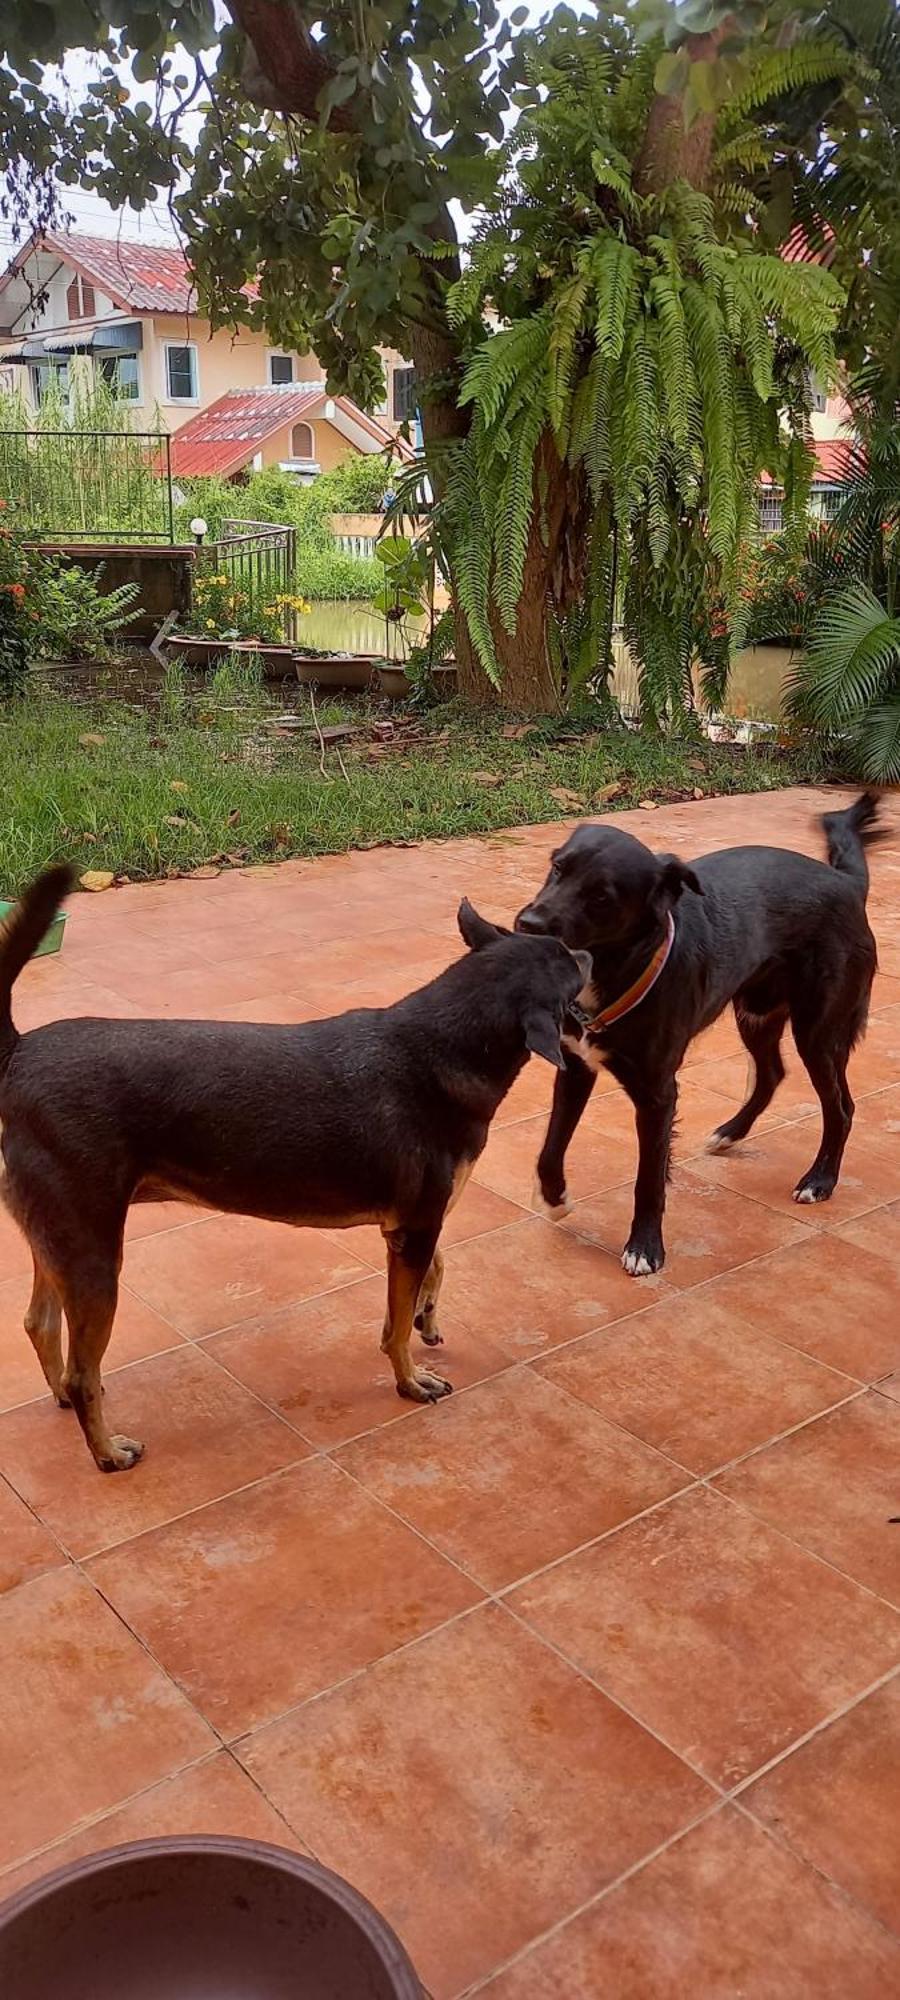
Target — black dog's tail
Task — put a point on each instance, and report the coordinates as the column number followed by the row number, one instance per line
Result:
column 848, row 834
column 21, row 934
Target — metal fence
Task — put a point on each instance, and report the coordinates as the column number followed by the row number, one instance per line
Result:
column 89, row 486
column 258, row 559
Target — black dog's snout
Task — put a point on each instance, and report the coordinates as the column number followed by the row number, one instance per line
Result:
column 531, row 921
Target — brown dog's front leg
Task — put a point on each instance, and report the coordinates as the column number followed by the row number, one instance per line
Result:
column 571, row 1091
column 410, row 1255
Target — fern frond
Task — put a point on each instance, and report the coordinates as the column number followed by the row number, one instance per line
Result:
column 614, row 268
column 774, row 73
column 567, row 321
column 712, row 362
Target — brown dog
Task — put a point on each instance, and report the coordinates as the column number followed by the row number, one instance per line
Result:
column 376, row 1116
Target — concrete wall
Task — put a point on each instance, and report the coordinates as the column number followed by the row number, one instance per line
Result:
column 163, row 577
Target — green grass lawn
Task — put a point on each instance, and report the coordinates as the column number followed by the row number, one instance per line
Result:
column 155, row 789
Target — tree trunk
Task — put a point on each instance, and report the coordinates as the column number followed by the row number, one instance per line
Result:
column 672, row 151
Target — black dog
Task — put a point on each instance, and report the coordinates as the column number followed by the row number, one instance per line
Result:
column 783, row 937
column 376, row 1116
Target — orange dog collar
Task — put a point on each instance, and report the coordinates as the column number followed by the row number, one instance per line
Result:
column 637, row 992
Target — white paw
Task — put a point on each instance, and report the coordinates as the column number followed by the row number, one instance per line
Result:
column 806, row 1195
column 636, row 1264
column 719, row 1143
column 551, row 1211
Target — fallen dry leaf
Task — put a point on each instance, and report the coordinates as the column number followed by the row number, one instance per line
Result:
column 564, row 797
column 206, row 873
column 605, row 792
column 649, row 805
column 177, row 785
column 90, row 741
column 516, row 732
column 234, row 817
column 487, row 778
column 698, row 794
column 96, row 879
column 174, row 819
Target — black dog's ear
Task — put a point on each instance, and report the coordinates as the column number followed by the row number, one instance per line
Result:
column 476, row 931
column 542, row 1037
column 673, row 878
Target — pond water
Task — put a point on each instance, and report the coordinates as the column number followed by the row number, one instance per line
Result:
column 756, row 681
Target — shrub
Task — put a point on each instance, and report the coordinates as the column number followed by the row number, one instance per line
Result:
column 224, row 610
column 323, row 569
column 75, row 618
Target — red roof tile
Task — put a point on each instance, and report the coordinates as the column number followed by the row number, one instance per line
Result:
column 834, row 457
column 798, row 250
column 138, row 277
column 223, row 437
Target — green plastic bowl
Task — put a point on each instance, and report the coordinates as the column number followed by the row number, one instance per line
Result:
column 52, row 939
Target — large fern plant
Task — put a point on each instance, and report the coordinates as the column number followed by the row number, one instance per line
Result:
column 647, row 352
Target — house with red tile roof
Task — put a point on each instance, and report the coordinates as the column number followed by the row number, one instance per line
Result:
column 127, row 311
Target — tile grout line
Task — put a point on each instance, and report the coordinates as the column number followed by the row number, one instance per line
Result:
column 824, row 1562
column 779, row 1840
column 818, row 1729
column 591, row 1902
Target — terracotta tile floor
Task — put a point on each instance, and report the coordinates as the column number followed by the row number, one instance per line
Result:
column 589, row 1677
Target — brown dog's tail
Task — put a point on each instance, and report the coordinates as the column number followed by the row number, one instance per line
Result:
column 848, row 834
column 20, row 935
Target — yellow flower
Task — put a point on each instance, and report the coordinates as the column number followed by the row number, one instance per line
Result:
column 210, row 624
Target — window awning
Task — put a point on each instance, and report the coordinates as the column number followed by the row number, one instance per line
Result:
column 23, row 352
column 115, row 337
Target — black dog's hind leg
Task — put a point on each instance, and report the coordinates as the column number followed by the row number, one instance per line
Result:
column 761, row 1035
column 571, row 1091
column 655, row 1112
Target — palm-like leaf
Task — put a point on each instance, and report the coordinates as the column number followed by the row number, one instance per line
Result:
column 852, row 661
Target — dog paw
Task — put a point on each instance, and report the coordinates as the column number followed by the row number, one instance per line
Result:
column 428, row 1330
column 552, row 1211
column 641, row 1260
column 810, row 1190
column 423, row 1387
column 719, row 1142
column 121, row 1454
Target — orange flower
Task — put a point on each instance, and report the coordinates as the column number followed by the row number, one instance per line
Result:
column 16, row 590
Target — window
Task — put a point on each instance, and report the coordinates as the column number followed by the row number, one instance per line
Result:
column 80, row 299
column 49, row 378
column 770, row 510
column 121, row 374
column 281, row 369
column 302, row 441
column 181, row 374
column 817, row 397
column 404, row 394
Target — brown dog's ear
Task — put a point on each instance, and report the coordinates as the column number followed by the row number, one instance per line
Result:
column 674, row 877
column 542, row 1037
column 475, row 930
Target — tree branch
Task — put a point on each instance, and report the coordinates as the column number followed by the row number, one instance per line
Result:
column 284, row 69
